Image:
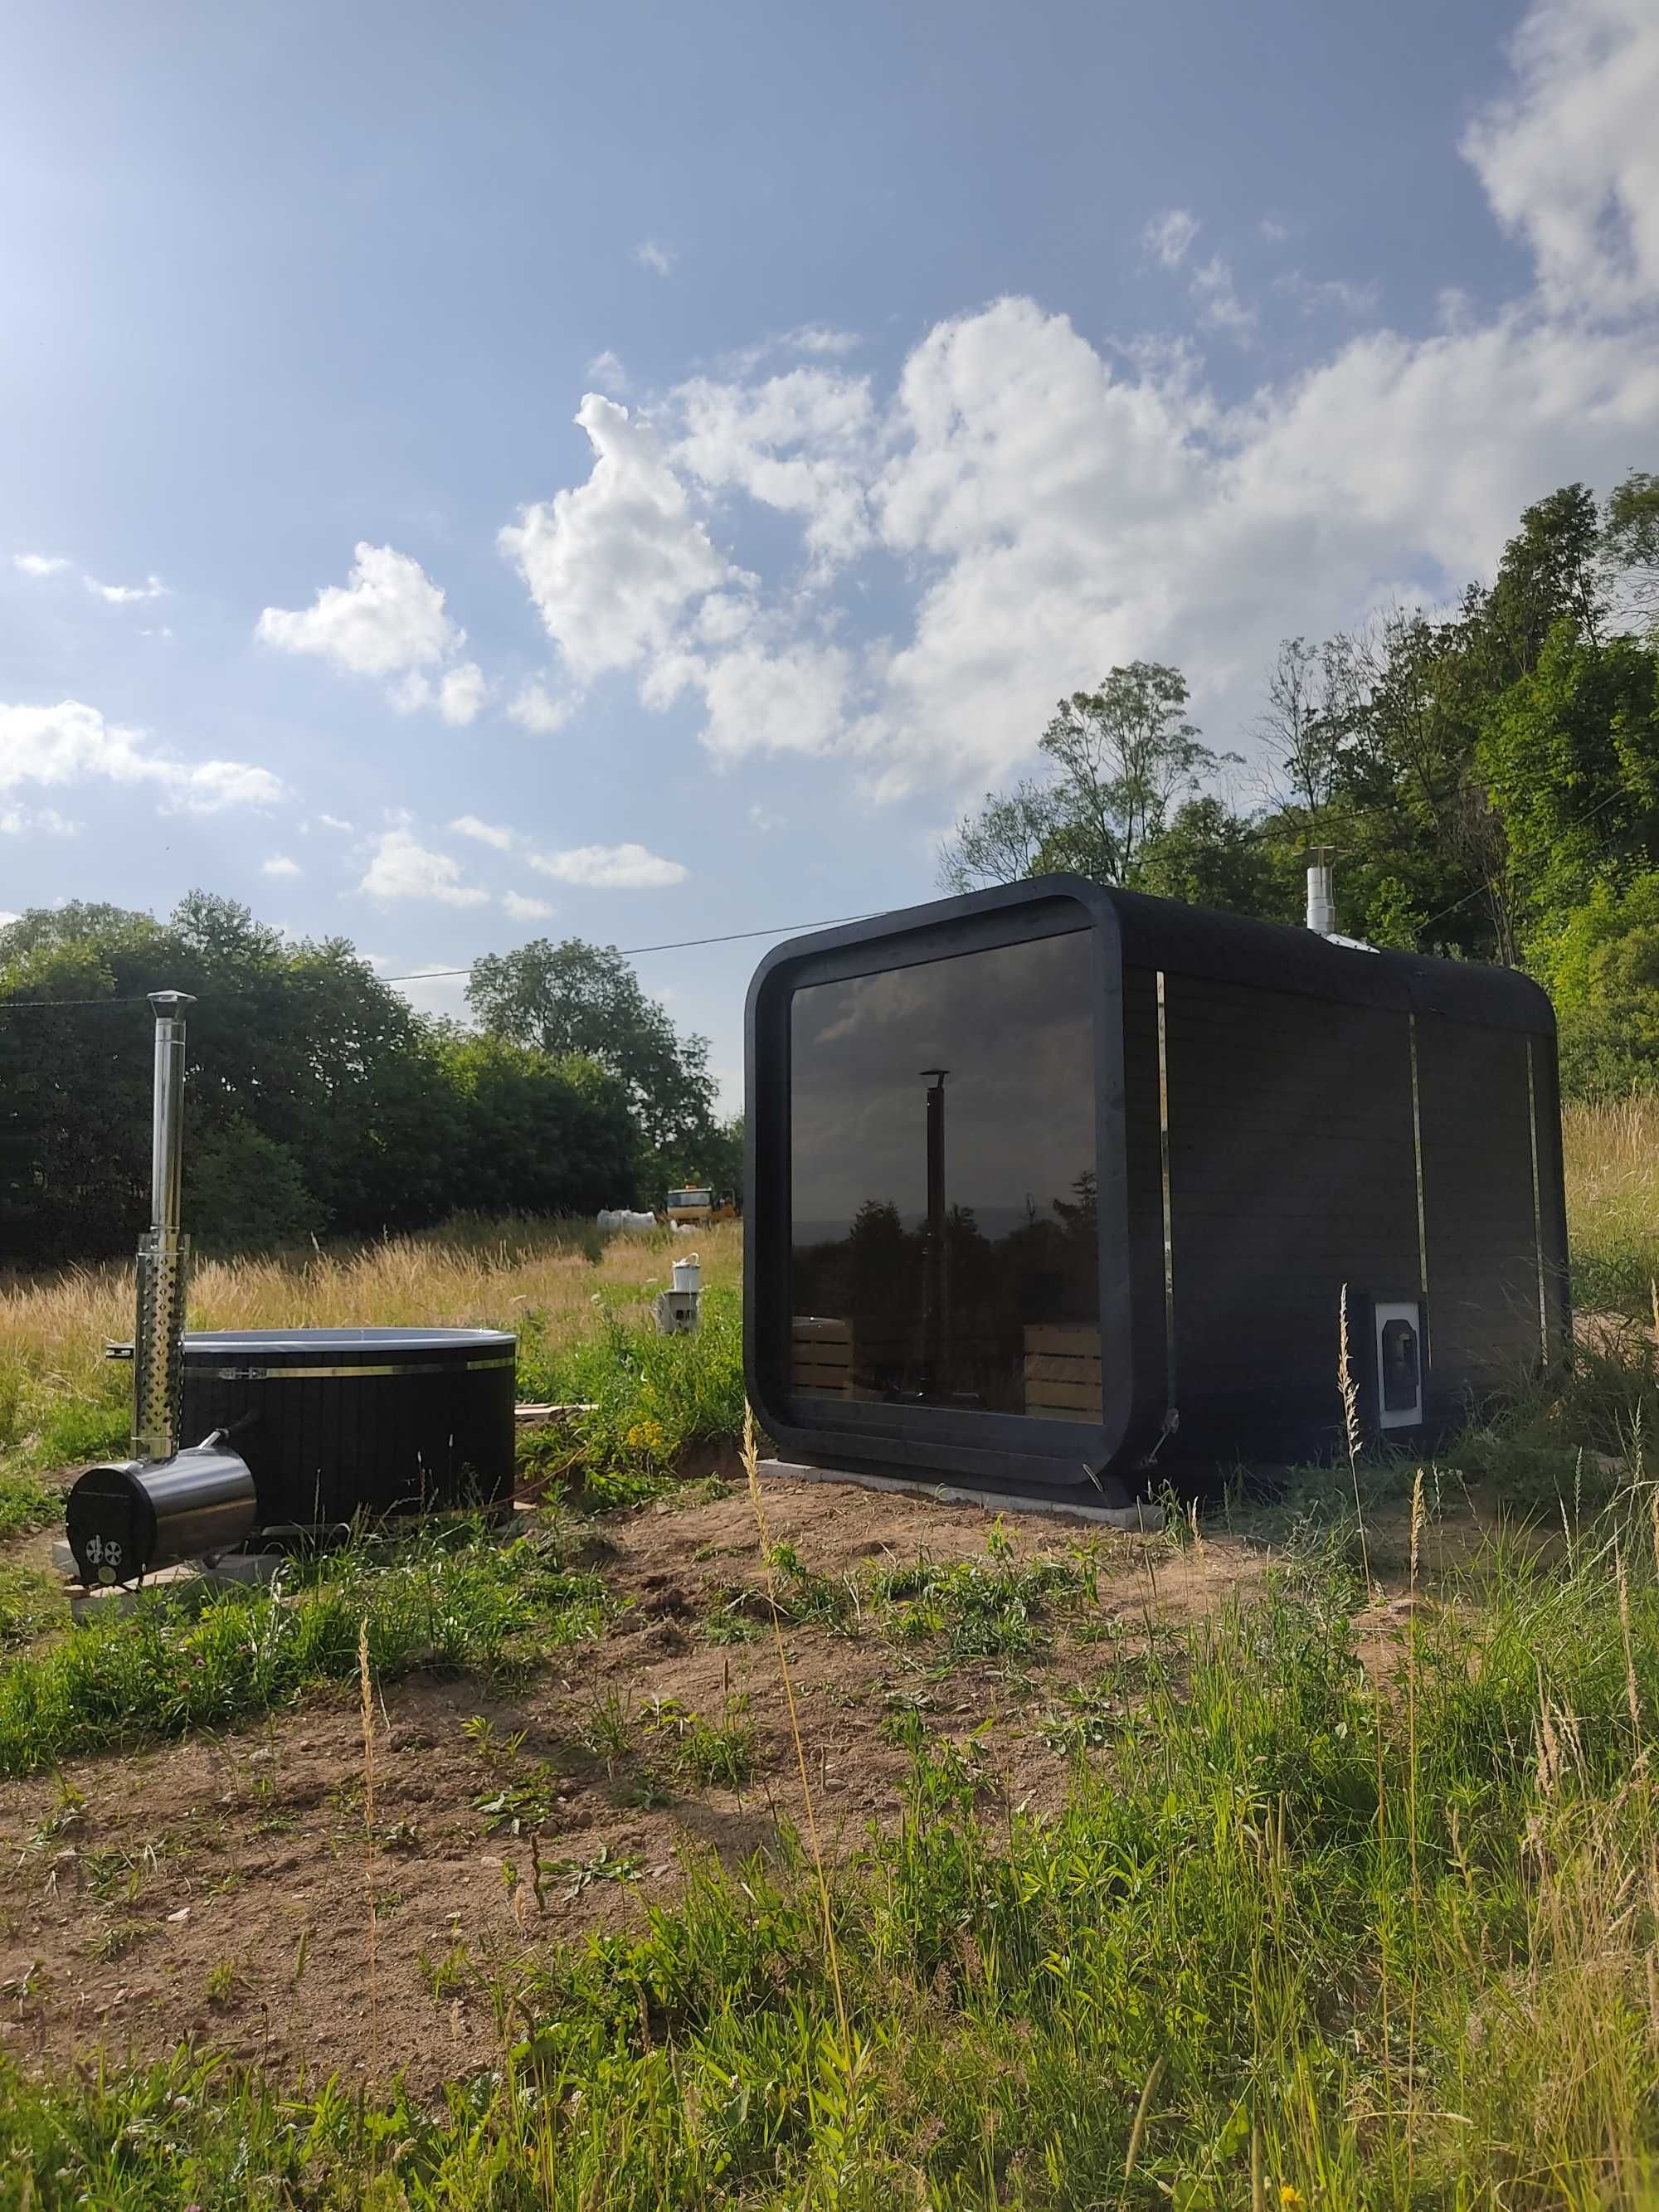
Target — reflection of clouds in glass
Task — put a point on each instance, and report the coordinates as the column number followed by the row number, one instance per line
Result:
column 1013, row 1025
column 873, row 1003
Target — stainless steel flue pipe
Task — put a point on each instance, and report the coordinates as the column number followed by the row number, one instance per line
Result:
column 163, row 1252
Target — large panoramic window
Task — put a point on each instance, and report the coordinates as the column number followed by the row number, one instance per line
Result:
column 942, row 1155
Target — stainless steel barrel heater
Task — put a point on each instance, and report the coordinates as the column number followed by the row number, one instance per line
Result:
column 303, row 1431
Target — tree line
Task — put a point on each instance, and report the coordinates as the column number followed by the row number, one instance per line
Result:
column 319, row 1103
column 1487, row 775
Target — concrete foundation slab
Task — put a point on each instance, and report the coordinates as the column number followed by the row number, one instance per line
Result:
column 1147, row 1519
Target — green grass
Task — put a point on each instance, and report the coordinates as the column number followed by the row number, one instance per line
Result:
column 31, row 1604
column 47, row 1422
column 991, row 1608
column 1288, row 1935
column 722, row 1754
column 26, row 1502
column 1612, row 1159
column 650, row 1397
column 451, row 1598
column 1293, row 1939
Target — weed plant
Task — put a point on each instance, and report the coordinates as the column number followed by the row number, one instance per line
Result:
column 645, row 1397
column 453, row 1597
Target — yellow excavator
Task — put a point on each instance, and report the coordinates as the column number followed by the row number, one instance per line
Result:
column 691, row 1209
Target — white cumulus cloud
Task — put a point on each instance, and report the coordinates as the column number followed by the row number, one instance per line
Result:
column 126, row 595
column 526, row 910
column 791, row 699
column 804, row 443
column 461, row 692
column 401, row 867
column 1570, row 159
column 1169, row 238
column 613, row 564
column 72, row 744
column 1024, row 507
column 1169, row 235
column 609, row 867
column 40, row 564
column 280, row 865
column 533, row 708
column 485, row 832
column 388, row 621
column 820, row 338
column 651, row 254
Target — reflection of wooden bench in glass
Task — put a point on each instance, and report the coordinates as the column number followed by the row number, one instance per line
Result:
column 1062, row 1371
column 820, row 1355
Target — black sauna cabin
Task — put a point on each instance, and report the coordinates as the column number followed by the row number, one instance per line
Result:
column 1056, row 1188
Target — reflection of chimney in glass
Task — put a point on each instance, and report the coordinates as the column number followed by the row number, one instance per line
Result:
column 934, row 1293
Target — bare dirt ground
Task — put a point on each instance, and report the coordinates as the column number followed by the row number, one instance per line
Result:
column 219, row 1890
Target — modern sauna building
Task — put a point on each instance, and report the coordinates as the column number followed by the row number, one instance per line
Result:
column 1057, row 1185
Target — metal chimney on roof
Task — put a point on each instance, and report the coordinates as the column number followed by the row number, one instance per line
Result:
column 1322, row 896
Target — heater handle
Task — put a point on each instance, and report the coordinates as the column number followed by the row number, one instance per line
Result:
column 117, row 1352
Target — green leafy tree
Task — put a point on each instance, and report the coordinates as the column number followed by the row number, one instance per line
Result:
column 1207, row 855
column 1601, row 961
column 1569, row 754
column 1120, row 757
column 1630, row 539
column 1552, row 570
column 319, row 1101
column 585, row 998
column 246, row 1193
column 539, row 1135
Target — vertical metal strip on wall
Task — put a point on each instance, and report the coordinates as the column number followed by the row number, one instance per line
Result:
column 1169, row 1218
column 1537, row 1204
column 1417, row 1157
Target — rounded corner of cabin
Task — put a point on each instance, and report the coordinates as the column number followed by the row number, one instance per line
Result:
column 1542, row 1005
column 768, row 978
column 765, row 1407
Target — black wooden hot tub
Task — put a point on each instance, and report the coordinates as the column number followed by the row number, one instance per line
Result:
column 335, row 1422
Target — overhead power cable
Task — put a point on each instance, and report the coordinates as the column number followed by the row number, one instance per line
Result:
column 677, row 945
column 430, row 975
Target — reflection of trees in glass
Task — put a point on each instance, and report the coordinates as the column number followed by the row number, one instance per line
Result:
column 1042, row 1271
column 1079, row 1217
column 883, row 1291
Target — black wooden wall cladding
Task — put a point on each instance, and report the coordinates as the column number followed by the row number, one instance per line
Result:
column 1053, row 1183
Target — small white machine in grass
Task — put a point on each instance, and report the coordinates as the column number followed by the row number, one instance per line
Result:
column 679, row 1306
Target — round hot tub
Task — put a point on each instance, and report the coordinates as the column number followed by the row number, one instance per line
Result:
column 333, row 1422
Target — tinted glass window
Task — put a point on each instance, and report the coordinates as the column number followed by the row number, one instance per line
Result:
column 942, row 1124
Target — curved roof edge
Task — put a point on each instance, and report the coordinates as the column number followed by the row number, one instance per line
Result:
column 1196, row 940
column 1202, row 941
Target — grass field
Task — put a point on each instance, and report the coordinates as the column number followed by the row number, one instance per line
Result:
column 1309, row 1858
column 1612, row 1159
column 581, row 1311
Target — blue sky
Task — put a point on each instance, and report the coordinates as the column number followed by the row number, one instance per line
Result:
column 927, row 362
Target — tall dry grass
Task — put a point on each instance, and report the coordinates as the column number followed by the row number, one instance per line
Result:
column 60, row 1399
column 470, row 1279
column 1611, row 1155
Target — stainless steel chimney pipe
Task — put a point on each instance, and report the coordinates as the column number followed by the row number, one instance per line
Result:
column 163, row 1252
column 1322, row 896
